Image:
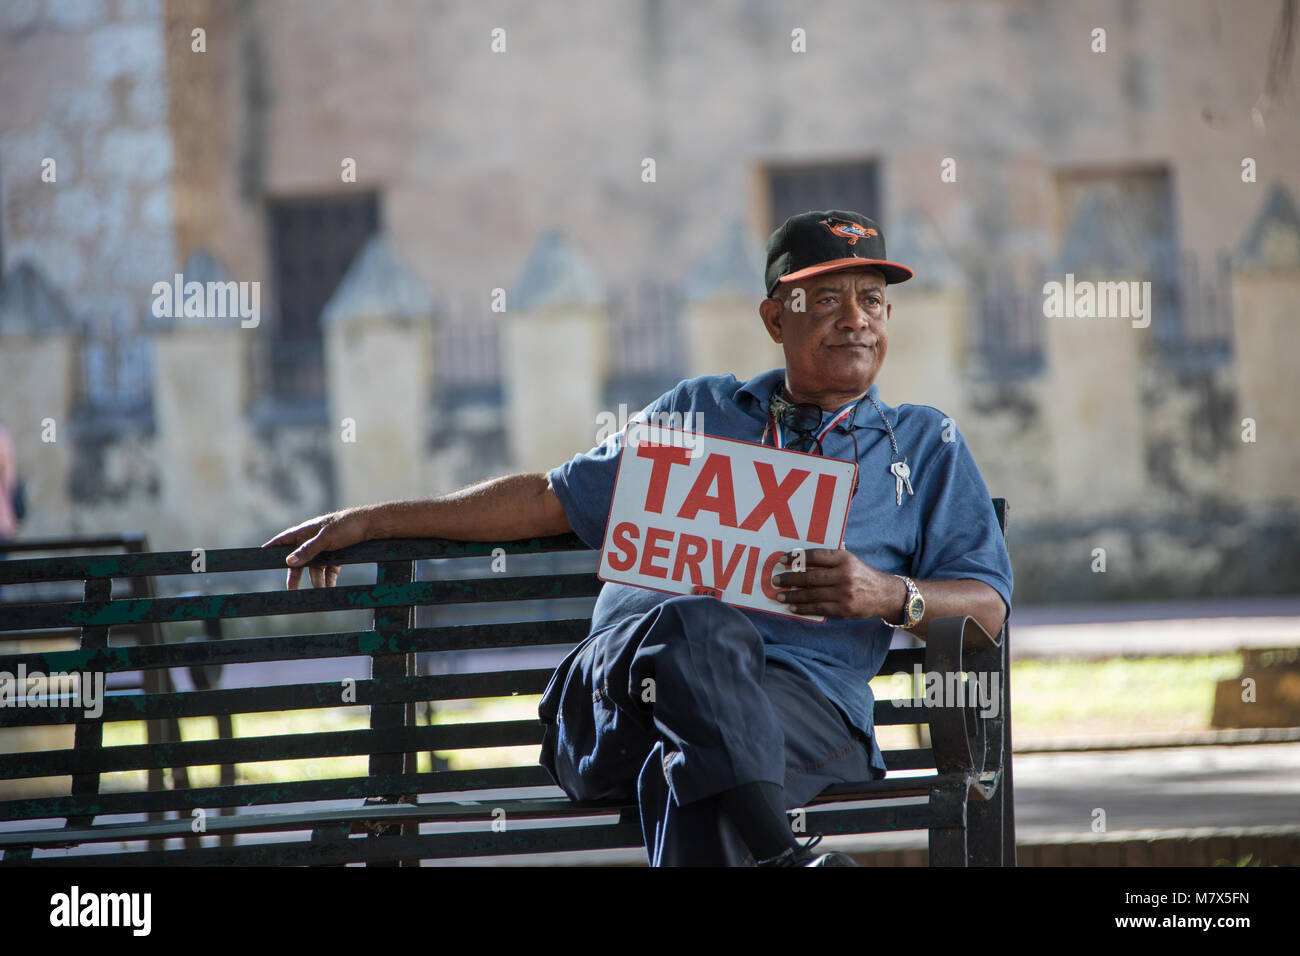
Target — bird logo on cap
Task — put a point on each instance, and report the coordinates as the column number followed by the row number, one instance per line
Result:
column 848, row 230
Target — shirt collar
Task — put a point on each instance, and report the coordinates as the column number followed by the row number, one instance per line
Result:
column 759, row 390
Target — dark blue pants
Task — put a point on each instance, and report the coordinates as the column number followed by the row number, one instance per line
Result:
column 674, row 706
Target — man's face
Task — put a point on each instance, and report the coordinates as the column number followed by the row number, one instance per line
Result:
column 837, row 344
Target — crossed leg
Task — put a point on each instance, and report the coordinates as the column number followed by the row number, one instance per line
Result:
column 674, row 707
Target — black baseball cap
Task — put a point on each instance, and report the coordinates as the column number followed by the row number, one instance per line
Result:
column 815, row 242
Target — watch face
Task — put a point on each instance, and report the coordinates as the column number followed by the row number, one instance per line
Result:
column 915, row 609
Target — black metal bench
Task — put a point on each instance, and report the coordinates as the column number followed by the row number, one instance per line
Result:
column 962, row 796
column 154, row 681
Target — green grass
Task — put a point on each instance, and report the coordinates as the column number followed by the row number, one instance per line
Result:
column 1142, row 695
column 1082, row 698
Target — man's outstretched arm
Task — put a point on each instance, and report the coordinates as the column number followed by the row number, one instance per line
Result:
column 499, row 509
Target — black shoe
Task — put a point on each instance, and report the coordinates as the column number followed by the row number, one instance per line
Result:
column 803, row 856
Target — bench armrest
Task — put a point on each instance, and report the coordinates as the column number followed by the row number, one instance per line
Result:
column 966, row 727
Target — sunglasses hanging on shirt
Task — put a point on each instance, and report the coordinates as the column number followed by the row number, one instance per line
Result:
column 796, row 426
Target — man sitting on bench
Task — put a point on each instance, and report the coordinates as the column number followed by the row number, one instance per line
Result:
column 752, row 714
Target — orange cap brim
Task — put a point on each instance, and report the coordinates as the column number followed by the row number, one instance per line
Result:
column 894, row 271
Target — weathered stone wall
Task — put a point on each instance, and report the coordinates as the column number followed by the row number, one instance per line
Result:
column 478, row 153
column 85, row 84
column 163, row 151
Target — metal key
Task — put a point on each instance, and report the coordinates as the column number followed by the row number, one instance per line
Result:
column 902, row 476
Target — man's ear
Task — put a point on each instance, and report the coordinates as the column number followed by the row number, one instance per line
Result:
column 772, row 311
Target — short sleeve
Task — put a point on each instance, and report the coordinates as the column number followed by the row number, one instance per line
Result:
column 585, row 483
column 960, row 536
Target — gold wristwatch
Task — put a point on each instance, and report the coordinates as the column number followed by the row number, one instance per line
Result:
column 913, row 608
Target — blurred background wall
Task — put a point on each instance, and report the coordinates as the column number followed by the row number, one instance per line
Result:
column 477, row 230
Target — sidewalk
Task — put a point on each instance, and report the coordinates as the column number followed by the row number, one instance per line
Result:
column 1174, row 628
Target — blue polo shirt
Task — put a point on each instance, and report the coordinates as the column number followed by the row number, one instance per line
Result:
column 946, row 530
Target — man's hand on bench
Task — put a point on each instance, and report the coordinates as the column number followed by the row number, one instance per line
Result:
column 322, row 533
column 499, row 509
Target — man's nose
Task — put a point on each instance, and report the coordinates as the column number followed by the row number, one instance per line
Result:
column 856, row 317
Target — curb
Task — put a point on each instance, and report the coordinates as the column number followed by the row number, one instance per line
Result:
column 1204, row 738
column 1197, row 846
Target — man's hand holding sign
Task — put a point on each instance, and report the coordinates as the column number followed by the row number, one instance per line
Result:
column 836, row 583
